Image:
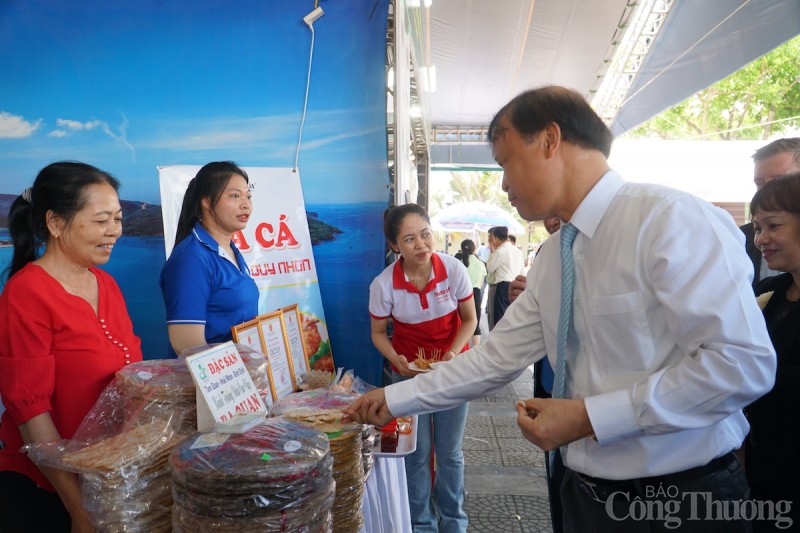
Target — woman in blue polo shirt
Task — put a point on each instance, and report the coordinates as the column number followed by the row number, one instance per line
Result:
column 206, row 283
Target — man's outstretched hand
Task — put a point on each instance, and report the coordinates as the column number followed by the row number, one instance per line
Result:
column 370, row 408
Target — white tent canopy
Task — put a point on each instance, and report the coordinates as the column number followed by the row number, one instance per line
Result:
column 485, row 52
column 701, row 43
column 470, row 217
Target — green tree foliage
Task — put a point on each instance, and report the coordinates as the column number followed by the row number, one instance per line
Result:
column 757, row 102
column 482, row 186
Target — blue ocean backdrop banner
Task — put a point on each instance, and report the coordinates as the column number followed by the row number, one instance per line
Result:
column 131, row 85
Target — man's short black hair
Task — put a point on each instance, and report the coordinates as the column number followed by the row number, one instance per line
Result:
column 530, row 112
column 499, row 232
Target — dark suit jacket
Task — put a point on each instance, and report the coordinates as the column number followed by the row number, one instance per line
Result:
column 752, row 251
column 772, row 446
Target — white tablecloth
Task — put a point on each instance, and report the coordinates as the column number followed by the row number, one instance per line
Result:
column 385, row 503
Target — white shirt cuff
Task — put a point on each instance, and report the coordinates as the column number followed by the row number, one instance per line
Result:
column 400, row 398
column 611, row 415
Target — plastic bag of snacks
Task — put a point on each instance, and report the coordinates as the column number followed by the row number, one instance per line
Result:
column 120, row 452
column 322, row 409
column 276, row 477
column 352, row 384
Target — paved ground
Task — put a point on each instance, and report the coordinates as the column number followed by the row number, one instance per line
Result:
column 504, row 473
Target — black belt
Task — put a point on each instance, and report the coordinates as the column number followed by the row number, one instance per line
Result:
column 601, row 489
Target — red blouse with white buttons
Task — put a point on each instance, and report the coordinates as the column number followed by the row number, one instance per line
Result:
column 56, row 355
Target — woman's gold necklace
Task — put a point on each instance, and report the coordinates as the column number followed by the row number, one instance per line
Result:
column 420, row 282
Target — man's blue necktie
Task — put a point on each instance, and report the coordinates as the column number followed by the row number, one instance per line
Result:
column 568, row 233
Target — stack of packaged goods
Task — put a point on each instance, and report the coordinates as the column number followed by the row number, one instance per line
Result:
column 322, row 409
column 275, row 477
column 121, row 447
column 158, row 383
column 368, row 436
column 122, row 463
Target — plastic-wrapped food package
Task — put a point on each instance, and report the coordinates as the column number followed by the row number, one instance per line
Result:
column 120, row 448
column 276, row 477
column 322, row 409
column 168, row 382
column 122, row 463
column 162, row 383
column 368, row 437
column 352, row 384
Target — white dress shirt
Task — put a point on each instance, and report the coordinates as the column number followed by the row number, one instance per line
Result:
column 668, row 342
column 520, row 262
column 483, row 253
column 505, row 263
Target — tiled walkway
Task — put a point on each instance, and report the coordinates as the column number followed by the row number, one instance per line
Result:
column 504, row 473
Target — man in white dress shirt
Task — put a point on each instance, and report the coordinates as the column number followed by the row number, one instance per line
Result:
column 504, row 264
column 665, row 346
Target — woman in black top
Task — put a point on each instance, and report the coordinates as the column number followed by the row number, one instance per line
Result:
column 772, row 458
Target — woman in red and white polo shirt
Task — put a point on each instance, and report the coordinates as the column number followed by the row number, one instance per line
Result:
column 429, row 298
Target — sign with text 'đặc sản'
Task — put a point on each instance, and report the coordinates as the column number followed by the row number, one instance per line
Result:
column 224, row 386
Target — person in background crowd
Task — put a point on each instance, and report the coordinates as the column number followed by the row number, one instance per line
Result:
column 657, row 348
column 503, row 266
column 542, row 372
column 206, row 283
column 429, row 297
column 483, row 252
column 64, row 333
column 529, row 258
column 513, row 240
column 775, row 159
column 771, row 459
column 477, row 275
column 551, row 225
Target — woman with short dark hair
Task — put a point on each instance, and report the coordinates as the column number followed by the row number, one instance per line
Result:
column 771, row 462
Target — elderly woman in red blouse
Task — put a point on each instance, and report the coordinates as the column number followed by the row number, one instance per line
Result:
column 64, row 332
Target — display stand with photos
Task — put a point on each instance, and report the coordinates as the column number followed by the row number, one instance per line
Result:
column 249, row 335
column 266, row 333
column 226, row 394
column 292, row 327
column 280, row 336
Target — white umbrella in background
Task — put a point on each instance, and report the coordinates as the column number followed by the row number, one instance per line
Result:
column 474, row 216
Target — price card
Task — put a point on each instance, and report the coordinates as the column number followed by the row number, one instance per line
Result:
column 224, row 387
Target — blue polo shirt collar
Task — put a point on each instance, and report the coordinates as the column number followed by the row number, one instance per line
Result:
column 209, row 242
